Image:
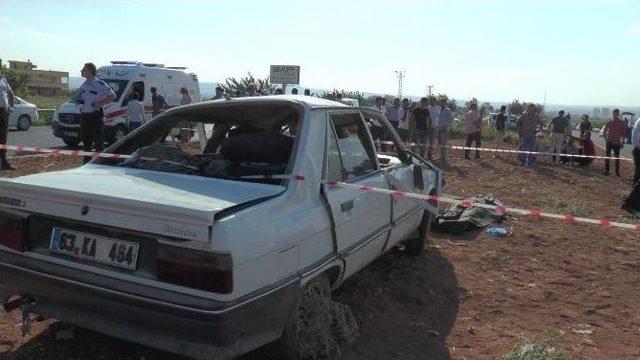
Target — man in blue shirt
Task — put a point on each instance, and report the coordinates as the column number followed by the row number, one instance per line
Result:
column 94, row 94
column 445, row 120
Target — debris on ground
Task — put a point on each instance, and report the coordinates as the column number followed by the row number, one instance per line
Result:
column 459, row 218
column 499, row 231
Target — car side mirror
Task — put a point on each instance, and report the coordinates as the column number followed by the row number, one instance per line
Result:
column 418, row 178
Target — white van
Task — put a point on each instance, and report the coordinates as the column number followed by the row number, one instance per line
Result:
column 125, row 77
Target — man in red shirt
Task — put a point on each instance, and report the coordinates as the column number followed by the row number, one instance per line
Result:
column 614, row 132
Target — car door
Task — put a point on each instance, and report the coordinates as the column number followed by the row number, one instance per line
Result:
column 406, row 174
column 362, row 219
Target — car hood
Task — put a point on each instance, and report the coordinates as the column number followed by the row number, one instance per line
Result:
column 114, row 193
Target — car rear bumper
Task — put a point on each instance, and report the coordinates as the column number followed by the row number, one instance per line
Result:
column 223, row 330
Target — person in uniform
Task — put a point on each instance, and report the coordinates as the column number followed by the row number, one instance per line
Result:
column 6, row 106
column 94, row 94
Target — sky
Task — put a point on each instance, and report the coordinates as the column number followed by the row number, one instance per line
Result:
column 577, row 52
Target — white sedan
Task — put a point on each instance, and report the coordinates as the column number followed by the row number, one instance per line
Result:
column 23, row 115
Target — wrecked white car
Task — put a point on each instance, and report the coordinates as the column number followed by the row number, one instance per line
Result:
column 182, row 247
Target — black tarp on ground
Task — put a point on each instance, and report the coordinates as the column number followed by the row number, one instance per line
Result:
column 458, row 219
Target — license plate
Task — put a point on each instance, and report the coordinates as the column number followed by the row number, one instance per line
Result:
column 69, row 134
column 95, row 248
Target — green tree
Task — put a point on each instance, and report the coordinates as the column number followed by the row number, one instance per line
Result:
column 234, row 87
column 486, row 107
column 452, row 104
column 516, row 107
column 18, row 81
column 469, row 102
column 362, row 100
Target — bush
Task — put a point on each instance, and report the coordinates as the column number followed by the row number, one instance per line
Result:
column 457, row 131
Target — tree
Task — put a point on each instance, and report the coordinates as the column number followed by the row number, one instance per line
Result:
column 486, row 107
column 234, row 87
column 363, row 101
column 452, row 105
column 516, row 107
column 18, row 81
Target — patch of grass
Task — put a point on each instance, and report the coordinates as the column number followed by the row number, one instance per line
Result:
column 496, row 258
column 551, row 334
column 457, row 132
column 44, row 118
column 532, row 351
column 562, row 205
column 48, row 102
column 511, row 138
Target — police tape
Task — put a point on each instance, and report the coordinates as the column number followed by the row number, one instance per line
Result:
column 535, row 214
column 502, row 150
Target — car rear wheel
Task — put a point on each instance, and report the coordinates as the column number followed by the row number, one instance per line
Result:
column 24, row 123
column 298, row 327
column 416, row 245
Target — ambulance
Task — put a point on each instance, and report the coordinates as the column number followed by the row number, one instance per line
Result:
column 125, row 78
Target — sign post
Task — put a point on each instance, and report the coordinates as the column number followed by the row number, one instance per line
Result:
column 285, row 75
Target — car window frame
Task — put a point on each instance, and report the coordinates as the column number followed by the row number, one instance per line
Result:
column 369, row 145
column 399, row 145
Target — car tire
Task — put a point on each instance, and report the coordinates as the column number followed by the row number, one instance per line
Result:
column 24, row 123
column 416, row 245
column 289, row 345
column 71, row 142
column 118, row 132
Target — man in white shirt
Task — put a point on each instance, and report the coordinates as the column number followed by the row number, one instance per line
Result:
column 404, row 115
column 95, row 93
column 472, row 129
column 445, row 120
column 6, row 106
column 135, row 112
column 377, row 132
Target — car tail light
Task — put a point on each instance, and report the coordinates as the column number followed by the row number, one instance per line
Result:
column 194, row 269
column 12, row 231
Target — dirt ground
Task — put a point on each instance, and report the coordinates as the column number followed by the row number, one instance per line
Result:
column 574, row 287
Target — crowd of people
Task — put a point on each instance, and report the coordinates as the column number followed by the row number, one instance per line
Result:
column 420, row 124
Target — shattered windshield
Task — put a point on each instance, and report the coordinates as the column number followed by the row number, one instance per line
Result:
column 228, row 142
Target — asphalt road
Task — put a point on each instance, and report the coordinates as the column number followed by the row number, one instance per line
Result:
column 36, row 136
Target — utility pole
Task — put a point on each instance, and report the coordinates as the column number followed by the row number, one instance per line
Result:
column 400, row 75
column 429, row 87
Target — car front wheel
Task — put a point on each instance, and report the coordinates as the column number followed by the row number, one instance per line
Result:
column 416, row 245
column 24, row 123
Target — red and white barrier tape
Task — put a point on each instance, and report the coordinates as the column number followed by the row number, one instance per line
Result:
column 508, row 151
column 536, row 214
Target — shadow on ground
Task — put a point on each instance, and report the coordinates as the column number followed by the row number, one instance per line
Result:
column 405, row 306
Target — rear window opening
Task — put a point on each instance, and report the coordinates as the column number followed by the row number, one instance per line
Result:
column 226, row 142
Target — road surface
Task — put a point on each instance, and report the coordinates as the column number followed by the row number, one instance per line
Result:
column 36, row 136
